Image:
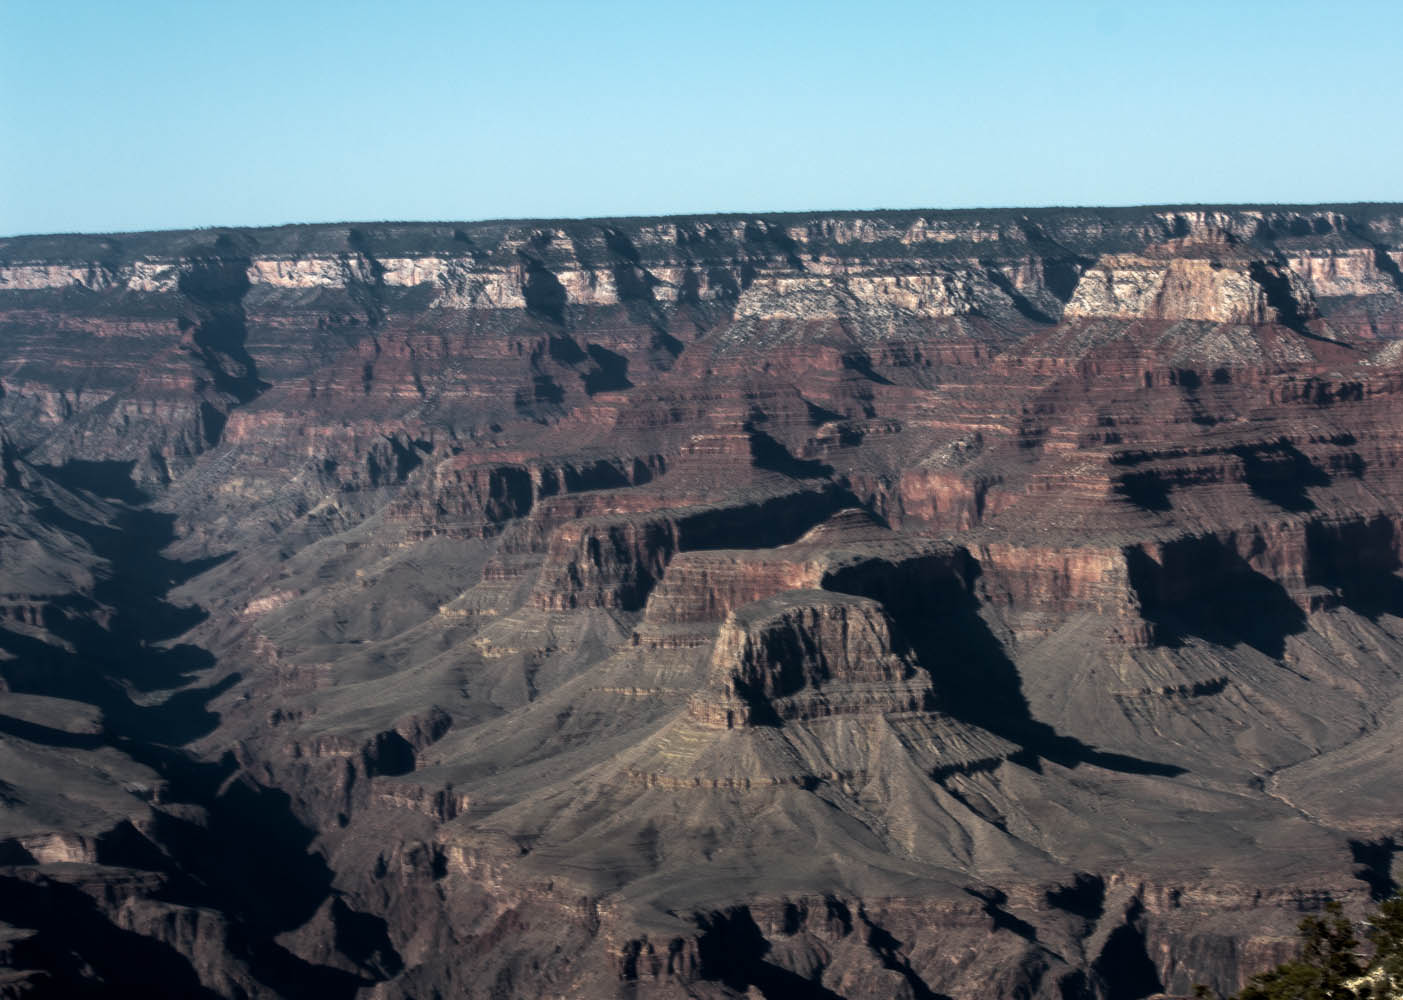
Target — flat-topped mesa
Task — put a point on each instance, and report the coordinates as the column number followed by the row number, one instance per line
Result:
column 933, row 499
column 805, row 654
column 613, row 561
column 475, row 494
column 851, row 553
column 704, row 586
column 466, row 497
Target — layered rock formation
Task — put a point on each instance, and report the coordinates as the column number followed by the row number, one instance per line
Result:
column 804, row 654
column 966, row 604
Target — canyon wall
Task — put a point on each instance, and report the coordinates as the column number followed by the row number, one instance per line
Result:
column 967, row 604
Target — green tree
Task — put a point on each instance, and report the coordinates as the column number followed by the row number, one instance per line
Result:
column 1330, row 967
column 1386, row 931
column 1327, row 963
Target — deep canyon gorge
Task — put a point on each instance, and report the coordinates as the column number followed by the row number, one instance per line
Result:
column 944, row 604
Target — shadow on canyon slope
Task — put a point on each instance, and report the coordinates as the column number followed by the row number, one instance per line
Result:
column 1360, row 561
column 937, row 615
column 1277, row 473
column 1146, row 490
column 1124, row 967
column 1239, row 606
column 1280, row 474
column 114, row 640
column 978, row 683
column 81, row 953
column 250, row 858
column 109, row 479
column 214, row 288
column 1374, row 865
column 771, row 455
column 734, row 951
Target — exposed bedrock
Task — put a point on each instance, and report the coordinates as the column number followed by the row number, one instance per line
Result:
column 804, row 654
column 615, row 561
column 972, row 604
column 1239, row 290
column 704, row 585
column 477, row 494
column 1135, row 938
column 344, row 772
column 1268, row 575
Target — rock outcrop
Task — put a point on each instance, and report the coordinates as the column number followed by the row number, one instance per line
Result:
column 804, row 654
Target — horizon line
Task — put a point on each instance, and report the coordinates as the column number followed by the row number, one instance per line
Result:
column 727, row 214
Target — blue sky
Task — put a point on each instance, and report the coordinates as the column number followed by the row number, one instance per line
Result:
column 145, row 115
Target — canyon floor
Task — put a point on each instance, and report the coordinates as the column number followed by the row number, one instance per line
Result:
column 976, row 604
